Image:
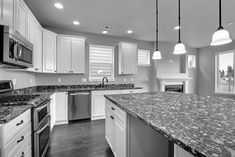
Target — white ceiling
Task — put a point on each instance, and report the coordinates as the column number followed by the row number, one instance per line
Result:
column 199, row 18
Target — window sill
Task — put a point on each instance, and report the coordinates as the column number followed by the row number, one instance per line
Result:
column 224, row 93
column 144, row 65
column 100, row 80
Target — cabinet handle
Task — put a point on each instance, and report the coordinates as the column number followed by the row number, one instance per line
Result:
column 55, row 71
column 112, row 108
column 21, row 122
column 36, row 69
column 111, row 117
column 22, row 154
column 20, row 140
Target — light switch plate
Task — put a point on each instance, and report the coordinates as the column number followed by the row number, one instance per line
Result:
column 132, row 80
column 84, row 79
column 31, row 80
column 14, row 81
column 124, row 79
column 59, row 79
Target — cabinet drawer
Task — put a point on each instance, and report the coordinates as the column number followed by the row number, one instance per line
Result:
column 117, row 112
column 26, row 150
column 18, row 142
column 10, row 129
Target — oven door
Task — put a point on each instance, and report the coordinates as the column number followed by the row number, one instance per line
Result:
column 40, row 114
column 42, row 139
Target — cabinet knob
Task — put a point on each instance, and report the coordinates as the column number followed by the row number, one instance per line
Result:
column 112, row 108
column 20, row 140
column 22, row 154
column 55, row 71
column 111, row 117
column 21, row 122
column 36, row 69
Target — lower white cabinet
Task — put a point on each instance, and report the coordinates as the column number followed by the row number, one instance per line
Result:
column 116, row 129
column 61, row 108
column 53, row 110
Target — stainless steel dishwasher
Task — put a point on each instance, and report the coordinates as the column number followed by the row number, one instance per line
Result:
column 79, row 105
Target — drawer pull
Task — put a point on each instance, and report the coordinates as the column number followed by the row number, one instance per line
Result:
column 111, row 117
column 20, row 140
column 112, row 108
column 22, row 154
column 21, row 122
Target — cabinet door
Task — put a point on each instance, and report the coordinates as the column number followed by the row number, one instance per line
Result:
column 128, row 58
column 31, row 30
column 109, row 128
column 49, row 51
column 8, row 12
column 120, row 139
column 37, row 57
column 61, row 108
column 53, row 110
column 98, row 107
column 21, row 18
column 63, row 54
column 78, row 55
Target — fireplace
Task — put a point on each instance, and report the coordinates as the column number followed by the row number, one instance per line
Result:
column 175, row 88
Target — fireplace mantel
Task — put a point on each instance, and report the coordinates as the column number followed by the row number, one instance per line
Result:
column 174, row 79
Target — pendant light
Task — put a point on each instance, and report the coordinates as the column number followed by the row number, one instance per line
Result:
column 221, row 36
column 179, row 47
column 157, row 53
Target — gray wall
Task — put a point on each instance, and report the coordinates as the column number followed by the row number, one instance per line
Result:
column 23, row 79
column 144, row 73
column 206, row 73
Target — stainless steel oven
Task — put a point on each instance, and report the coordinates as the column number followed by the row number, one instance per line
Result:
column 14, row 49
column 42, row 139
column 40, row 114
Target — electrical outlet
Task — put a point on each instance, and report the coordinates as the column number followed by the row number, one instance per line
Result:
column 14, row 81
column 132, row 80
column 84, row 79
column 31, row 80
column 124, row 79
column 59, row 79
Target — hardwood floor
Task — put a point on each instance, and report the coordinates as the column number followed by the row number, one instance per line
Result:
column 83, row 139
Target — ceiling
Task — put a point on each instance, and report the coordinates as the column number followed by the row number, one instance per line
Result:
column 199, row 18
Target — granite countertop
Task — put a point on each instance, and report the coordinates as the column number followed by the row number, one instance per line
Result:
column 203, row 126
column 9, row 112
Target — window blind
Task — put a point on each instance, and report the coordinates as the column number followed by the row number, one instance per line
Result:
column 143, row 57
column 101, row 62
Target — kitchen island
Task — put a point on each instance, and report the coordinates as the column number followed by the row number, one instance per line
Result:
column 202, row 126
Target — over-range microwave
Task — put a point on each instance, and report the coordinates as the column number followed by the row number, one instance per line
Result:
column 15, row 50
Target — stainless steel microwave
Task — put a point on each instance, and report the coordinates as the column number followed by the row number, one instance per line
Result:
column 15, row 50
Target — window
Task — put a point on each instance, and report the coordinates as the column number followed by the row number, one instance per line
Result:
column 143, row 57
column 101, row 62
column 225, row 72
column 191, row 61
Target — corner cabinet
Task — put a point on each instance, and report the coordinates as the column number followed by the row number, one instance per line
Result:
column 70, row 54
column 116, row 129
column 127, row 58
column 49, row 51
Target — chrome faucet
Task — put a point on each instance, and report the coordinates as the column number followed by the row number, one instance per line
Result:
column 102, row 84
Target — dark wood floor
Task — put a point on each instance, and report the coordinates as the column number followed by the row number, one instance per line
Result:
column 83, row 139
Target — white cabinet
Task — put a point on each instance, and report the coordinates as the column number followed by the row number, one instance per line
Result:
column 61, row 108
column 53, row 110
column 49, row 51
column 21, row 18
column 70, row 54
column 116, row 129
column 98, row 103
column 8, row 12
column 127, row 58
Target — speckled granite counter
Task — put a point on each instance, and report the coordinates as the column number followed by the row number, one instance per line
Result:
column 203, row 126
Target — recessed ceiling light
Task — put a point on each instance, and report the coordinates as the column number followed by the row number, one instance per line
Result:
column 129, row 31
column 59, row 6
column 76, row 23
column 176, row 27
column 105, row 32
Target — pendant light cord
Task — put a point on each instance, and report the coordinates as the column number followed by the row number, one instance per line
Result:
column 179, row 21
column 220, row 14
column 156, row 25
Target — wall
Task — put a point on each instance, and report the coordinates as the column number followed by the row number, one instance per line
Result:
column 23, row 79
column 141, row 79
column 206, row 73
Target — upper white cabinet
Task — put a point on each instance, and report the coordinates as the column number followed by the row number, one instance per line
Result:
column 21, row 18
column 127, row 58
column 8, row 12
column 49, row 51
column 70, row 54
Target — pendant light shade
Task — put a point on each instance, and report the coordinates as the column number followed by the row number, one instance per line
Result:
column 221, row 36
column 179, row 47
column 157, row 53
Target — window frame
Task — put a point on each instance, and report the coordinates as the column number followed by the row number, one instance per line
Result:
column 112, row 78
column 149, row 56
column 217, row 71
